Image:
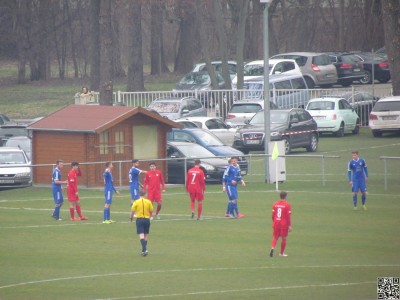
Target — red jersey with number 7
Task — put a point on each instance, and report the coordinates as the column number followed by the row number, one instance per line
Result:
column 281, row 214
column 195, row 181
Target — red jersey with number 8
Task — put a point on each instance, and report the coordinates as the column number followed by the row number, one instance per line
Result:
column 281, row 213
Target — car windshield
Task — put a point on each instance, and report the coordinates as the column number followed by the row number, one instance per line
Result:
column 245, row 108
column 12, row 157
column 321, row 105
column 276, row 117
column 254, row 70
column 23, row 143
column 195, row 151
column 387, row 106
column 165, row 107
column 195, row 78
column 209, row 139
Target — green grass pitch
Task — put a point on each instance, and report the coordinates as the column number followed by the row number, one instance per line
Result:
column 334, row 252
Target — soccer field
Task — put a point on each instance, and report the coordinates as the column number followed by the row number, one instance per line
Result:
column 334, row 252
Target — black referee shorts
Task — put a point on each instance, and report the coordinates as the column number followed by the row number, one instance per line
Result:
column 143, row 225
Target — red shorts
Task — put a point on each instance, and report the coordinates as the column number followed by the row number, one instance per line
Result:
column 196, row 196
column 281, row 232
column 154, row 196
column 72, row 196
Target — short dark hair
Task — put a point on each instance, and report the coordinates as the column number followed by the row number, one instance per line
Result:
column 152, row 163
column 59, row 161
column 142, row 192
column 134, row 161
column 108, row 164
column 283, row 195
column 235, row 157
column 197, row 162
column 355, row 151
column 74, row 163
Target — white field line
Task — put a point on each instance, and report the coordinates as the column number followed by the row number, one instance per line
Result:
column 191, row 271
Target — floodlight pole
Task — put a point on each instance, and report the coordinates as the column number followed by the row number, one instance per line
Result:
column 267, row 131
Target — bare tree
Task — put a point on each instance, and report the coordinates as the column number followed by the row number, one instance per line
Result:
column 135, row 68
column 94, row 48
column 157, row 60
column 106, row 54
column 391, row 17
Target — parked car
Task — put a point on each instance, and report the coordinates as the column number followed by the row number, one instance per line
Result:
column 209, row 141
column 177, row 107
column 286, row 91
column 255, row 69
column 223, row 131
column 22, row 142
column 212, row 166
column 198, row 84
column 218, row 67
column 334, row 115
column 316, row 68
column 18, row 170
column 11, row 129
column 362, row 102
column 375, row 64
column 385, row 116
column 4, row 119
column 243, row 110
column 294, row 126
column 349, row 67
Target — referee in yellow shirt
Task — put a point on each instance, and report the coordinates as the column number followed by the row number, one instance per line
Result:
column 143, row 209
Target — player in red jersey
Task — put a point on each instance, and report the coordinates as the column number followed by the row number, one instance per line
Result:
column 196, row 186
column 153, row 182
column 281, row 223
column 72, row 192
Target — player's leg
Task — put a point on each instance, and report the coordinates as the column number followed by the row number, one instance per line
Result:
column 355, row 188
column 192, row 203
column 158, row 200
column 58, row 202
column 72, row 209
column 284, row 233
column 363, row 188
column 275, row 237
column 107, row 204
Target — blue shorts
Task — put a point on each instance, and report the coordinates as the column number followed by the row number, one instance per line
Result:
column 231, row 191
column 134, row 193
column 359, row 185
column 142, row 225
column 57, row 195
column 108, row 196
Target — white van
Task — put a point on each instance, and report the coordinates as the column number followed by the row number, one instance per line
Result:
column 286, row 91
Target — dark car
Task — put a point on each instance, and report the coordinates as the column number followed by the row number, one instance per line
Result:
column 294, row 126
column 12, row 129
column 209, row 141
column 181, row 152
column 348, row 66
column 375, row 66
column 198, row 84
column 362, row 102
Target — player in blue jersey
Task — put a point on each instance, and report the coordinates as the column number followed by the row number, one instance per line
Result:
column 56, row 187
column 357, row 174
column 109, row 190
column 230, row 180
column 134, row 184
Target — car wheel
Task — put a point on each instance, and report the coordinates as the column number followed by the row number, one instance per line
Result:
column 367, row 79
column 313, row 143
column 287, row 145
column 245, row 151
column 356, row 129
column 376, row 133
column 310, row 82
column 346, row 83
column 340, row 132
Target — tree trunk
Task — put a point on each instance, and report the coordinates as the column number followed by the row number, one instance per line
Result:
column 94, row 49
column 391, row 23
column 241, row 35
column 73, row 44
column 106, row 54
column 135, row 80
column 118, row 69
column 156, row 38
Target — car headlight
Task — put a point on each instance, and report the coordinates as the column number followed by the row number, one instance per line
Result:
column 208, row 167
column 237, row 136
column 275, row 133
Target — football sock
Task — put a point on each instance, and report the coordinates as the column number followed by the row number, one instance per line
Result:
column 363, row 198
column 283, row 246
column 235, row 207
column 105, row 214
column 230, row 208
column 109, row 213
column 143, row 242
column 158, row 209
column 57, row 212
column 72, row 212
column 355, row 200
column 78, row 210
column 227, row 208
column 199, row 208
column 192, row 205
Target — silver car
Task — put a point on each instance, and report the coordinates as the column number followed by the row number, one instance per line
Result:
column 175, row 107
column 316, row 68
column 385, row 116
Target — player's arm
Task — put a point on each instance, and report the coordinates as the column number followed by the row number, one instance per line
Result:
column 145, row 183
column 366, row 172
column 162, row 181
column 133, row 209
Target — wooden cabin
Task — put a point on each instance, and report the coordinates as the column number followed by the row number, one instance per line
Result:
column 93, row 135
